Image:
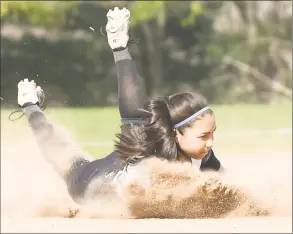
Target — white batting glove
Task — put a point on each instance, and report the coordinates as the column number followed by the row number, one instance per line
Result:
column 117, row 28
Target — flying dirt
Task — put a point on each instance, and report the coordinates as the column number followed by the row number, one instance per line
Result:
column 34, row 197
column 157, row 189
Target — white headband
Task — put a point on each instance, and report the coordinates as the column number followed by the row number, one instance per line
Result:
column 192, row 117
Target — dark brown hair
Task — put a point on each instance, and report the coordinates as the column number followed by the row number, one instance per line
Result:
column 158, row 138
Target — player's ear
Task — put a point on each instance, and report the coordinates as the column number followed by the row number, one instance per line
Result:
column 178, row 135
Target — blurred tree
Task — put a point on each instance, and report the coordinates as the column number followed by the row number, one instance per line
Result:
column 230, row 51
column 196, row 9
column 38, row 13
column 256, row 55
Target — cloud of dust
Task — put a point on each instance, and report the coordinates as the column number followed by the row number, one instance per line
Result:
column 175, row 190
column 31, row 187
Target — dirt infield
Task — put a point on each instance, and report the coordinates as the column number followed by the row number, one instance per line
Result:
column 34, row 198
column 233, row 225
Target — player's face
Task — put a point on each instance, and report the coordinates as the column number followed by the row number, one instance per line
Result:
column 198, row 139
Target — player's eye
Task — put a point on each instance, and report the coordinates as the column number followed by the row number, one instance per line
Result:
column 203, row 136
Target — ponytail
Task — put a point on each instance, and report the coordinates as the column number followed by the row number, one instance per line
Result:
column 160, row 130
column 157, row 138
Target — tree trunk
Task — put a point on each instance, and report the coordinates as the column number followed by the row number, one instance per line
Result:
column 251, row 22
column 154, row 56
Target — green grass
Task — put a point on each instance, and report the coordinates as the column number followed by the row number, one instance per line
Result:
column 95, row 128
column 264, row 117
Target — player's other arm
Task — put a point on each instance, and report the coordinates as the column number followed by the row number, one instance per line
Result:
column 211, row 162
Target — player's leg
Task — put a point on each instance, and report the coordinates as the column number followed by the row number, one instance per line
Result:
column 55, row 145
column 131, row 89
column 87, row 181
column 132, row 96
column 69, row 161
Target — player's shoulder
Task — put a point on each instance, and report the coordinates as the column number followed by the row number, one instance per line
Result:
column 210, row 162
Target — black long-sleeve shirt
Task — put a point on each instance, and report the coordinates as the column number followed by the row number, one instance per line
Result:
column 74, row 166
